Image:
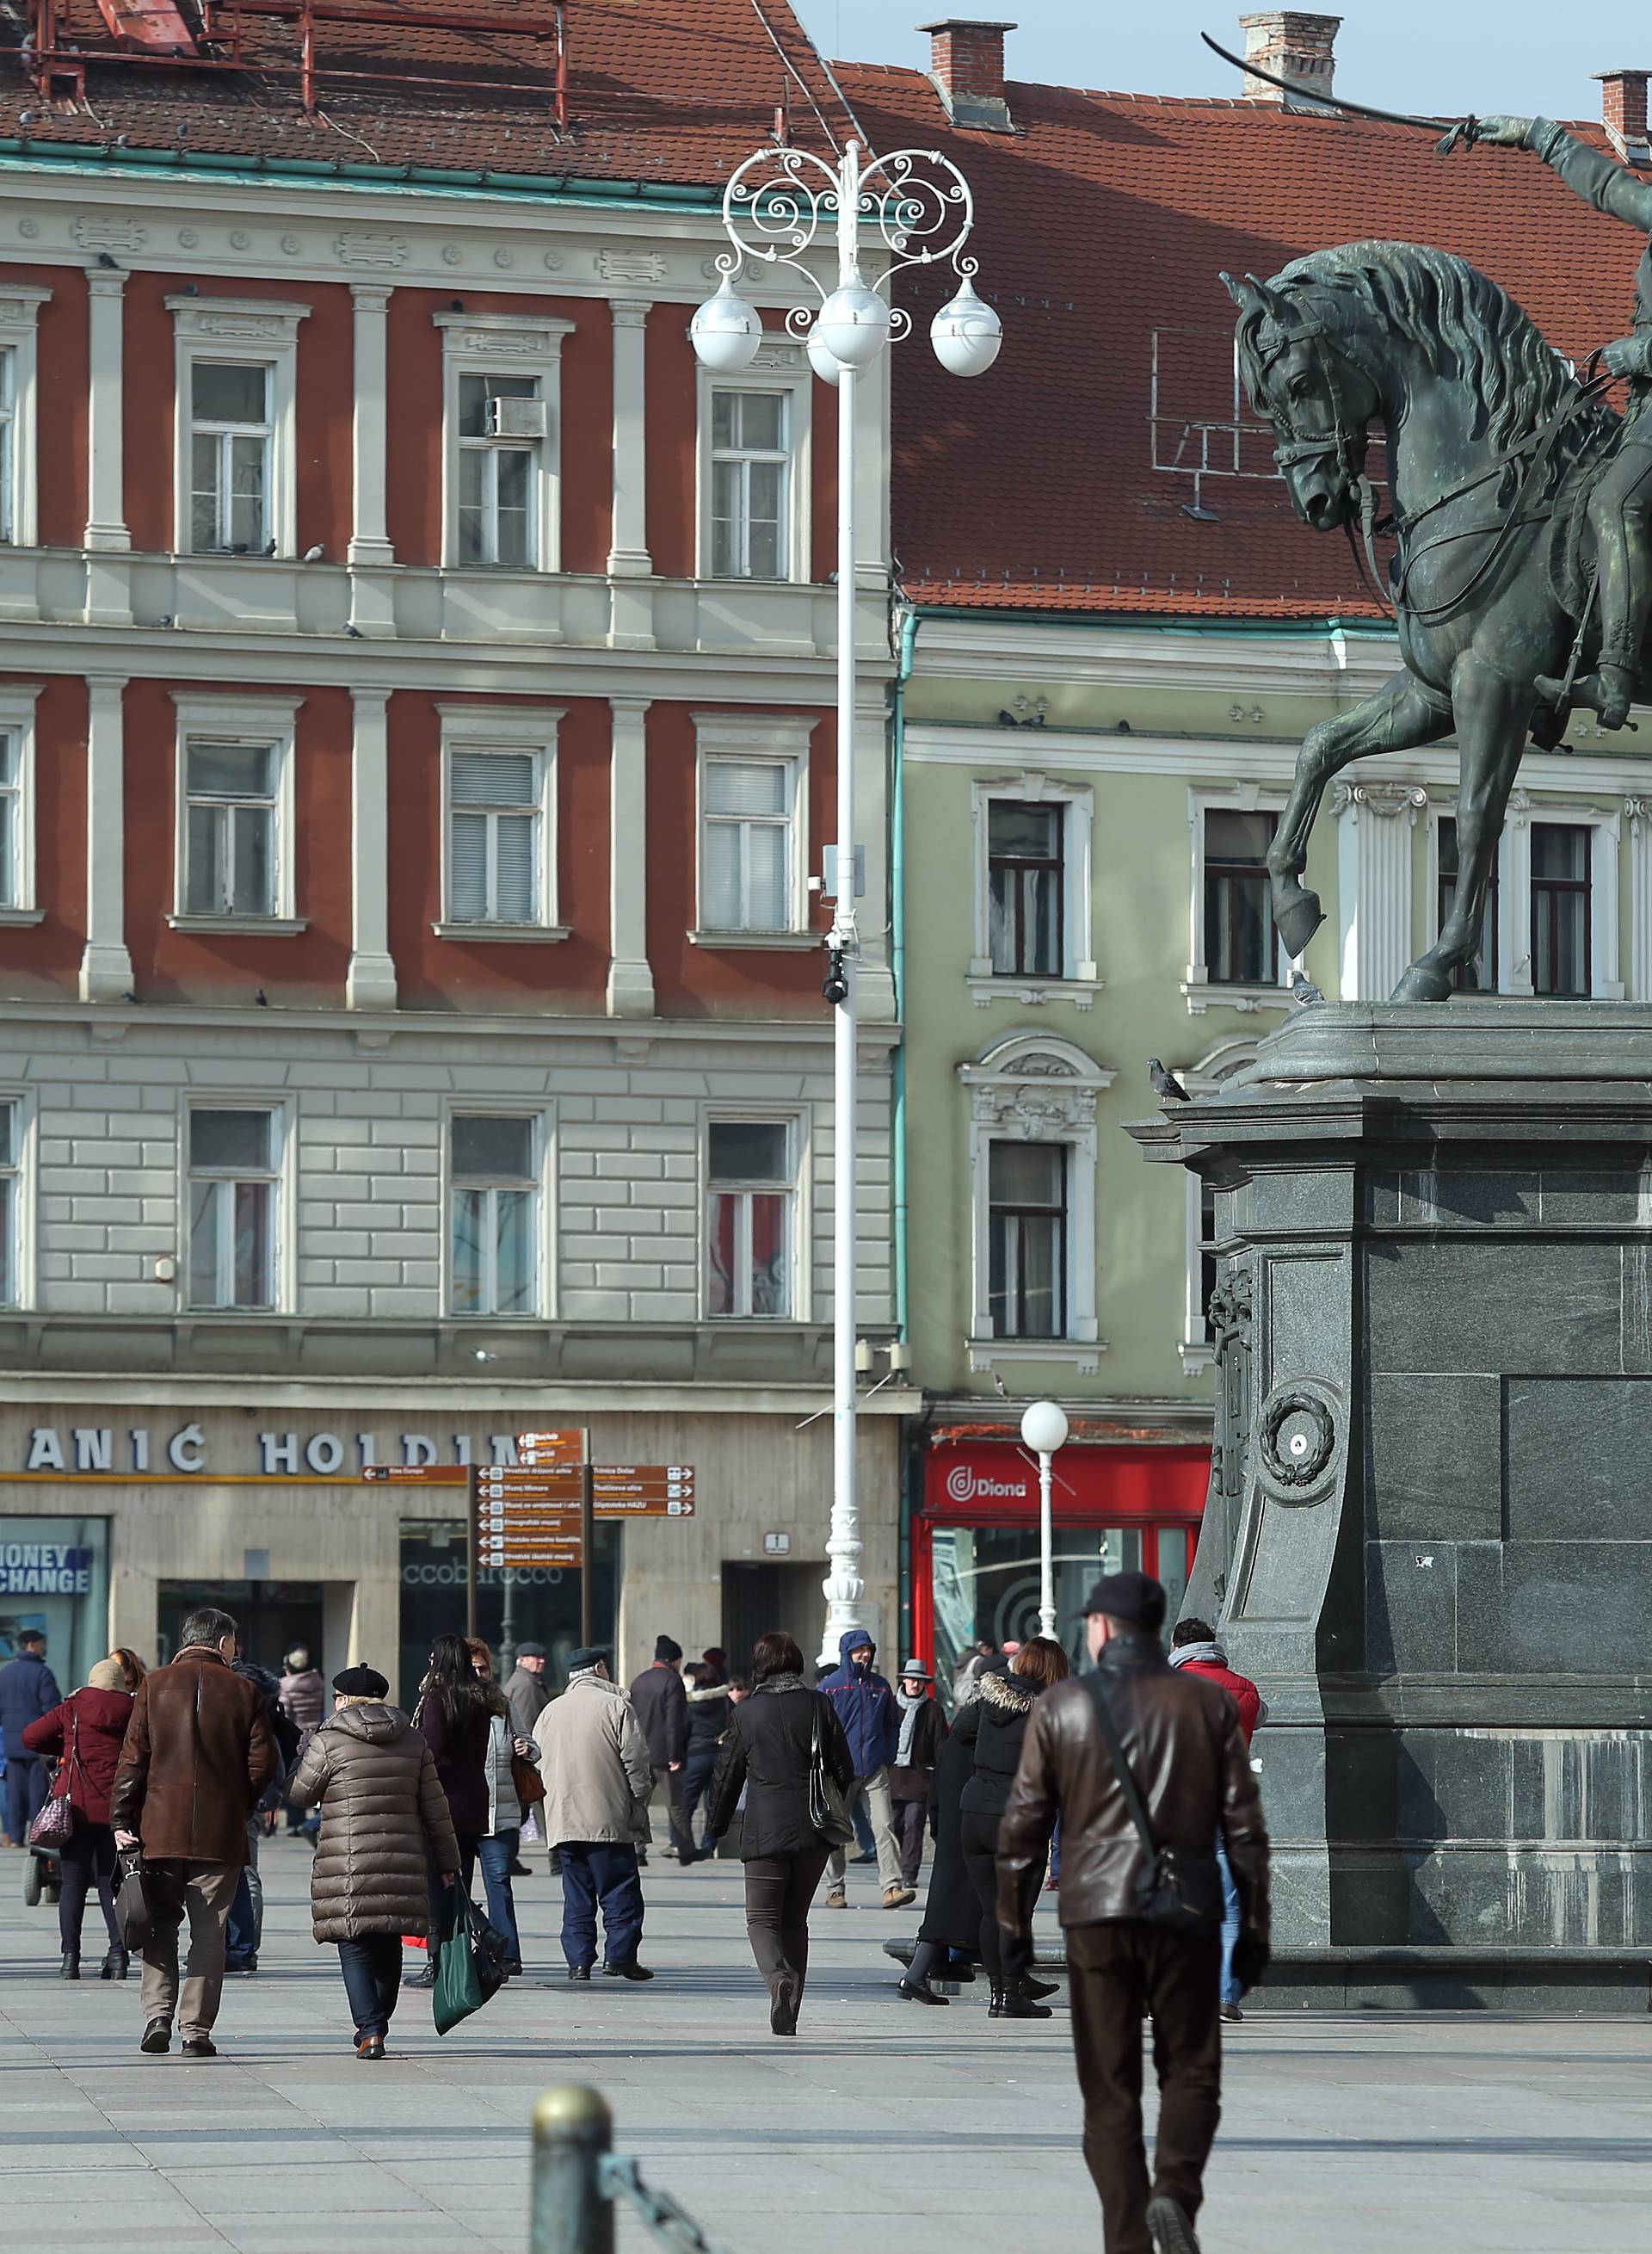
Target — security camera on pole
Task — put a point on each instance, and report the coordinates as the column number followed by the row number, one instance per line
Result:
column 1044, row 1430
column 919, row 212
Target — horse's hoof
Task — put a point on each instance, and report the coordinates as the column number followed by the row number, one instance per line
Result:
column 1298, row 922
column 1423, row 984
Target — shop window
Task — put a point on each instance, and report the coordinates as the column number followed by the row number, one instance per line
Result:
column 1240, row 949
column 1478, row 974
column 749, row 1230
column 747, row 862
column 1026, row 884
column 750, row 480
column 233, row 1160
column 1027, row 1227
column 11, row 1204
column 501, row 427
column 493, row 1240
column 496, row 834
column 231, row 828
column 1560, row 908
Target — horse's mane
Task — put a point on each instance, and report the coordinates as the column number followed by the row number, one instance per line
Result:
column 1460, row 321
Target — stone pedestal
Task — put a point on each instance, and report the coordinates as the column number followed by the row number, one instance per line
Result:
column 1430, row 1530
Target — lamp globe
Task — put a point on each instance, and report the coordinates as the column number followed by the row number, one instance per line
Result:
column 966, row 333
column 821, row 358
column 853, row 324
column 726, row 332
column 1044, row 1427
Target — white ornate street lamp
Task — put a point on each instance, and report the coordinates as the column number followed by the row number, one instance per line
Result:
column 1044, row 1430
column 775, row 210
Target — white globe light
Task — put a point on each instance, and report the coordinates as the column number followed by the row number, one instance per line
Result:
column 1044, row 1427
column 853, row 325
column 821, row 358
column 966, row 333
column 726, row 332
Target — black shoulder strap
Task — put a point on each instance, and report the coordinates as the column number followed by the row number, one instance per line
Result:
column 1121, row 1767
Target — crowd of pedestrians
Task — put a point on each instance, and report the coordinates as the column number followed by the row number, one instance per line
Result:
column 1137, row 1769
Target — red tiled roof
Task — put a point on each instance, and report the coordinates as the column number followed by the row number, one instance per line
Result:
column 1108, row 217
column 675, row 91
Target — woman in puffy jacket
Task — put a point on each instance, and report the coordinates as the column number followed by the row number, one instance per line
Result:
column 85, row 1735
column 994, row 1726
column 384, row 1821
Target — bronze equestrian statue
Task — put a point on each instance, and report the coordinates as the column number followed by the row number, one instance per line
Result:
column 1519, row 503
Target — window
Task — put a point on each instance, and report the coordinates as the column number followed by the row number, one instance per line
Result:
column 11, row 1203
column 1027, row 1239
column 1560, row 862
column 749, row 1217
column 1240, row 946
column 747, row 872
column 495, row 1192
column 231, row 797
column 232, row 437
column 494, row 854
column 502, row 424
column 1478, row 974
column 232, row 1208
column 751, row 477
column 1026, row 886
column 20, row 305
column 13, row 867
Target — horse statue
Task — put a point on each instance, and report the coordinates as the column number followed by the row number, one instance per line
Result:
column 1493, row 443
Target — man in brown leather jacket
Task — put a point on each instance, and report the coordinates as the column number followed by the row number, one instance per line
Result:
column 1181, row 1736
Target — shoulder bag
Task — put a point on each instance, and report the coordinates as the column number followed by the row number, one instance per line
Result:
column 470, row 1960
column 1179, row 1887
column 828, row 1811
column 54, row 1827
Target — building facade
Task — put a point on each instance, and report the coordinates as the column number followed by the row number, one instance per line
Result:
column 416, row 692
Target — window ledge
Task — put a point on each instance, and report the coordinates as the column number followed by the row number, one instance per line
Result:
column 787, row 942
column 259, row 927
column 1083, row 1354
column 1202, row 994
column 1196, row 1354
column 1032, row 992
column 513, row 934
column 10, row 916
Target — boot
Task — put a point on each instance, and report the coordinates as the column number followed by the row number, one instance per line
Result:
column 1038, row 1989
column 116, row 1964
column 71, row 1965
column 1008, row 2003
column 424, row 1980
column 1172, row 2230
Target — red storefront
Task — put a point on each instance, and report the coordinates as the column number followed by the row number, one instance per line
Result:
column 974, row 1534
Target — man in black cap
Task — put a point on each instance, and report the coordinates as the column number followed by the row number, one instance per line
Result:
column 526, row 1688
column 661, row 1700
column 1130, row 1951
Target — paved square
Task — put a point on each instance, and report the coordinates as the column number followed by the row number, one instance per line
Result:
column 885, row 2129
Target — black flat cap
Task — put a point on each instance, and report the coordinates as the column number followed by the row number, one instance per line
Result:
column 361, row 1683
column 1127, row 1596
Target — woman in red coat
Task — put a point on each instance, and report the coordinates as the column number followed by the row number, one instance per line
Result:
column 85, row 1735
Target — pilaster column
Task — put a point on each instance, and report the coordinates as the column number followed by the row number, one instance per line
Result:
column 630, row 980
column 1374, row 821
column 106, row 967
column 1639, row 813
column 629, row 553
column 106, row 501
column 369, row 540
column 370, row 982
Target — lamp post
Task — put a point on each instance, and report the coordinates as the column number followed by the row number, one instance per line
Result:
column 776, row 208
column 1044, row 1430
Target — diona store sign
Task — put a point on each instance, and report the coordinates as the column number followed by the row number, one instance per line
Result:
column 991, row 1482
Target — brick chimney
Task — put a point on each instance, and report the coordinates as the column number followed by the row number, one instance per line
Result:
column 966, row 63
column 1299, row 48
column 1623, row 111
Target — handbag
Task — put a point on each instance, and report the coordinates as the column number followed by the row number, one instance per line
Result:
column 54, row 1827
column 1179, row 1887
column 470, row 1960
column 132, row 1910
column 828, row 1810
column 526, row 1781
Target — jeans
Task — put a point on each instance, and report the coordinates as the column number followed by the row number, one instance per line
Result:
column 862, row 1822
column 1231, row 1990
column 496, row 1854
column 874, row 1789
column 697, row 1771
column 25, row 1793
column 597, row 1874
column 681, row 1837
column 246, row 1927
column 88, row 1858
column 372, row 1968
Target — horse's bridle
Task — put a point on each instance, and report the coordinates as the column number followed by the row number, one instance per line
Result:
column 1305, row 446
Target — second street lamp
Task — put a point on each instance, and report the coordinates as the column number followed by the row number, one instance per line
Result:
column 1044, row 1430
column 919, row 212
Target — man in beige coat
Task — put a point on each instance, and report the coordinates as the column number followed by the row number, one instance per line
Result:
column 595, row 1768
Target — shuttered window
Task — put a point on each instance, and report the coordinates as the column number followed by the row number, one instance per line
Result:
column 746, row 854
column 495, row 834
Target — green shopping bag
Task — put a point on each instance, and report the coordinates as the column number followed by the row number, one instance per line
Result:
column 470, row 1960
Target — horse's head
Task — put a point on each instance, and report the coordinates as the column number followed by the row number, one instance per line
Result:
column 1320, row 401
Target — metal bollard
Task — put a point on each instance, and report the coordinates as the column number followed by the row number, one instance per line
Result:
column 573, row 2133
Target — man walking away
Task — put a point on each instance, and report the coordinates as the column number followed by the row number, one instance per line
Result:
column 526, row 1688
column 708, row 1702
column 923, row 1733
column 198, row 1755
column 661, row 1706
column 1193, row 1645
column 597, row 1777
column 1181, row 1739
column 866, row 1705
column 304, row 1701
column 28, row 1691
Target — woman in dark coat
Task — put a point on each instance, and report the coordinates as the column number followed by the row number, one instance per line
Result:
column 455, row 1718
column 951, row 1924
column 769, row 1754
column 85, row 1734
column 996, row 1723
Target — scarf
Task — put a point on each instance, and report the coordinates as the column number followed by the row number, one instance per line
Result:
column 1208, row 1655
column 909, row 1708
column 779, row 1682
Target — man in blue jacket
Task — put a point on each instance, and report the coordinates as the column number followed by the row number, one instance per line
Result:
column 28, row 1689
column 872, row 1723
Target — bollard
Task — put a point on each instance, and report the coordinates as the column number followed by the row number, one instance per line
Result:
column 573, row 2131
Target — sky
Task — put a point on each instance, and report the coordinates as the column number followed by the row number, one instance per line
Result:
column 1441, row 57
